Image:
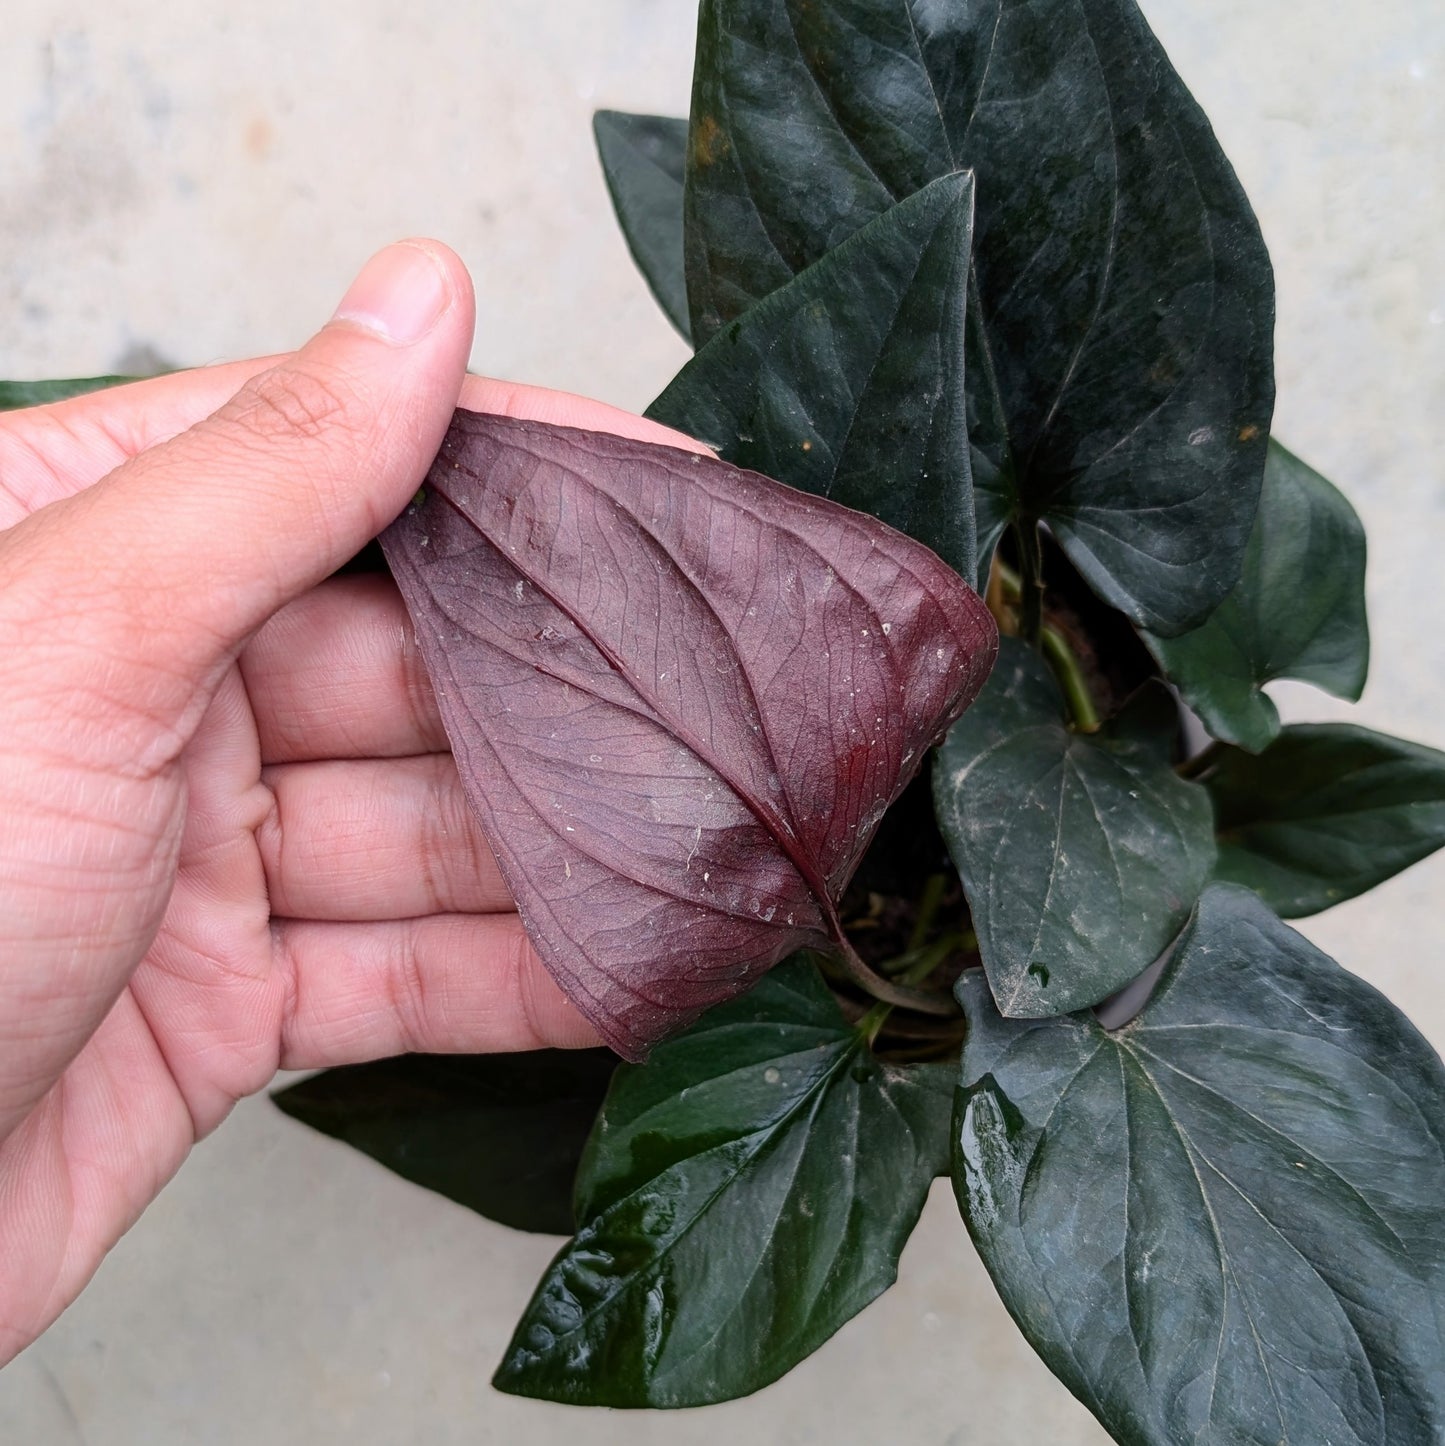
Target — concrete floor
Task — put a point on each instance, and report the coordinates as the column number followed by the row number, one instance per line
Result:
column 196, row 182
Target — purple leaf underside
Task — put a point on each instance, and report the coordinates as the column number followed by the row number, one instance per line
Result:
column 680, row 696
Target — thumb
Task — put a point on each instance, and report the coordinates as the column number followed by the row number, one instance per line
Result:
column 139, row 590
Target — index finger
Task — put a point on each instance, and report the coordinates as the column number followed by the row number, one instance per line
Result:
column 59, row 449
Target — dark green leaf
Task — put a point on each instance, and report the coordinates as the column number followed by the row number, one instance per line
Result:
column 848, row 380
column 500, row 1133
column 745, row 1192
column 1297, row 611
column 1324, row 813
column 14, row 395
column 1125, row 295
column 1226, row 1221
column 1081, row 853
column 643, row 158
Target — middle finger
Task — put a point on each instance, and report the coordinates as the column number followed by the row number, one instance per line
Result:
column 366, row 840
column 337, row 674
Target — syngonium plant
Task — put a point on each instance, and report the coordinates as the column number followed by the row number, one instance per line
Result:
column 973, row 280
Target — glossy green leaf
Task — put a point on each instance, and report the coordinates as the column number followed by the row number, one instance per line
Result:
column 1081, row 853
column 848, row 380
column 1123, row 386
column 14, row 395
column 1297, row 611
column 745, row 1192
column 1326, row 812
column 1224, row 1223
column 500, row 1134
column 643, row 158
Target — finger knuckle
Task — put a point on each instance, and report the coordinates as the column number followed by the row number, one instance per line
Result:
column 410, row 995
column 291, row 403
column 415, row 689
column 549, row 1020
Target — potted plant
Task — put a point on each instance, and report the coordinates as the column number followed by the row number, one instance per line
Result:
column 983, row 273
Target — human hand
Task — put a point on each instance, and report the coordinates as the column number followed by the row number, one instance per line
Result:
column 233, row 838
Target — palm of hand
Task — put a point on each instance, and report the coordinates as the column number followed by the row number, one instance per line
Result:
column 290, row 877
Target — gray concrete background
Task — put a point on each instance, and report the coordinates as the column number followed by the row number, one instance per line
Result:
column 200, row 182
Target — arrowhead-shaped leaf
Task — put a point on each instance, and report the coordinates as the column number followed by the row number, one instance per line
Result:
column 1125, row 295
column 643, row 157
column 848, row 380
column 1226, row 1221
column 1297, row 611
column 681, row 697
column 500, row 1134
column 1326, row 812
column 745, row 1193
column 1081, row 853
column 14, row 395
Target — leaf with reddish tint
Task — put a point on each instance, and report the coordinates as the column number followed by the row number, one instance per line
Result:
column 681, row 697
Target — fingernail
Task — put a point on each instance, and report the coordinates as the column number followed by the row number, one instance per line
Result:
column 399, row 296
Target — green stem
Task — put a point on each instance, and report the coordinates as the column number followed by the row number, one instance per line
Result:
column 930, row 958
column 869, row 1025
column 885, row 990
column 1201, row 763
column 915, row 965
column 1009, row 580
column 1071, row 678
column 909, row 968
column 928, row 903
column 920, row 964
column 1031, row 581
column 1055, row 647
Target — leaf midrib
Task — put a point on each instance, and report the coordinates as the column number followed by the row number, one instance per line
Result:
column 782, row 831
column 1225, row 1256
